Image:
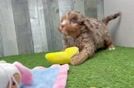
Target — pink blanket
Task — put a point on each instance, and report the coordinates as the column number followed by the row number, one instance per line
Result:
column 52, row 77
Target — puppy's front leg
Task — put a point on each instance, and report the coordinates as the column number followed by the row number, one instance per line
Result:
column 87, row 51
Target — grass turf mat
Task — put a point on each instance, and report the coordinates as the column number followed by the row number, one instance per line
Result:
column 107, row 69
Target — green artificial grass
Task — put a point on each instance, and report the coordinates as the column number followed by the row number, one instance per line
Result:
column 107, row 69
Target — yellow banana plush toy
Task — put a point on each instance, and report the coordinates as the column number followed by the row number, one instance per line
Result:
column 62, row 57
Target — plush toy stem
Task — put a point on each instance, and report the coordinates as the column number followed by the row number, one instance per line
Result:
column 25, row 72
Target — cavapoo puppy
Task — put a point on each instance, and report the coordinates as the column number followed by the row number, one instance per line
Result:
column 88, row 34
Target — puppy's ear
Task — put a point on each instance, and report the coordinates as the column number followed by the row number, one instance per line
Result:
column 80, row 21
column 88, row 26
column 86, row 23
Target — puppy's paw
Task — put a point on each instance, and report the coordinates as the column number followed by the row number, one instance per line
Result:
column 73, row 63
column 74, row 60
column 111, row 48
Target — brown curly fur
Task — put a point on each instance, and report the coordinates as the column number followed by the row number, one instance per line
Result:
column 88, row 34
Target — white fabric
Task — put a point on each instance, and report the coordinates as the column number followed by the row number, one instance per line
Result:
column 6, row 74
column 3, row 79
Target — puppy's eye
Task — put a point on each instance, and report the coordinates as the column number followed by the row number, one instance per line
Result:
column 74, row 20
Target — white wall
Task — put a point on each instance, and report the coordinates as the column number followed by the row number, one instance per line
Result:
column 122, row 30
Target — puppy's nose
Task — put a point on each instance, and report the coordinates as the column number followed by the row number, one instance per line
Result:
column 64, row 22
column 62, row 26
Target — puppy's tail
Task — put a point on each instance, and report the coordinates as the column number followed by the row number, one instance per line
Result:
column 107, row 19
